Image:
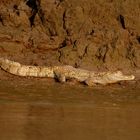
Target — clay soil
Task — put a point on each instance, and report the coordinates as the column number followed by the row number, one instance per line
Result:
column 91, row 34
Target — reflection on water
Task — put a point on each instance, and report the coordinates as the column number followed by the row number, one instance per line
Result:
column 78, row 113
column 66, row 122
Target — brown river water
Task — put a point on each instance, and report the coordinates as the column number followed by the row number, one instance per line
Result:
column 35, row 109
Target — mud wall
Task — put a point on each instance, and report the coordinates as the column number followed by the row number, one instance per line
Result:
column 92, row 34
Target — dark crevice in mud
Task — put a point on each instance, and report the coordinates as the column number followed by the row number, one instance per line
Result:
column 1, row 20
column 41, row 15
column 122, row 21
column 30, row 43
column 15, row 7
column 138, row 38
column 64, row 22
column 63, row 44
column 82, row 56
column 32, row 4
column 131, row 55
column 101, row 53
column 36, row 9
column 60, row 54
column 32, row 19
column 76, row 65
column 74, row 44
column 18, row 13
column 85, row 51
column 59, row 2
column 16, row 10
column 68, row 32
column 92, row 32
column 66, row 42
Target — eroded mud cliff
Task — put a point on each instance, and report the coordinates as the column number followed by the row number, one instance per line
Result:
column 91, row 34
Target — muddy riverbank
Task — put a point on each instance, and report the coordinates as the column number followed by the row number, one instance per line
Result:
column 96, row 35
